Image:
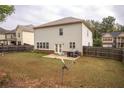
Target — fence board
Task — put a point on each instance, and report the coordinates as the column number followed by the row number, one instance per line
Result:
column 15, row 48
column 113, row 53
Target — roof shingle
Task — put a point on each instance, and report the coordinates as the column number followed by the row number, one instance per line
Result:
column 62, row 21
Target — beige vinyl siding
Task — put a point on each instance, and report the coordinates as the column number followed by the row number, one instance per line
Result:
column 28, row 38
column 2, row 36
column 87, row 39
column 71, row 33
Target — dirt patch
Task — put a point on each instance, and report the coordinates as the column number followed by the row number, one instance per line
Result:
column 36, row 83
column 4, row 78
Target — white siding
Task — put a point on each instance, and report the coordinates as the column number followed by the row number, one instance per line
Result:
column 28, row 38
column 25, row 37
column 2, row 36
column 17, row 37
column 86, row 36
column 71, row 33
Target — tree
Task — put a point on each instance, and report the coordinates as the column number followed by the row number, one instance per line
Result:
column 122, row 28
column 107, row 24
column 5, row 10
column 96, row 27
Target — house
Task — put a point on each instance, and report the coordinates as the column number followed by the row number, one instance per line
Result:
column 7, row 37
column 2, row 35
column 113, row 39
column 63, row 35
column 25, row 35
column 10, row 37
column 22, row 35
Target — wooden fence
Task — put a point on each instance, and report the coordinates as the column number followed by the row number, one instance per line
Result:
column 113, row 53
column 15, row 48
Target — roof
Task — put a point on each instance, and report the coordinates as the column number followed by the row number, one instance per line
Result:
column 3, row 31
column 63, row 21
column 23, row 27
column 11, row 31
column 114, row 34
column 28, row 28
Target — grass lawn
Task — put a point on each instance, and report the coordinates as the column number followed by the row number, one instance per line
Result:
column 32, row 70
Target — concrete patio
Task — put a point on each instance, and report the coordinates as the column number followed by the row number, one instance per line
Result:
column 60, row 57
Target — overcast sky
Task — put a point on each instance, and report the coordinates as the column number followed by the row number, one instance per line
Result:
column 36, row 15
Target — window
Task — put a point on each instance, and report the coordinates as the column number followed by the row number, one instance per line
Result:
column 47, row 45
column 11, row 36
column 40, row 44
column 72, row 45
column 61, row 31
column 18, row 34
column 107, row 39
column 19, row 42
column 37, row 44
column 43, row 44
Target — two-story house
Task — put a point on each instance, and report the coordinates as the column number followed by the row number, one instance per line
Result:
column 22, row 35
column 7, row 37
column 10, row 37
column 25, row 35
column 113, row 39
column 63, row 35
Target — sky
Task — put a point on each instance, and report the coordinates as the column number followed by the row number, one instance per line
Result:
column 37, row 15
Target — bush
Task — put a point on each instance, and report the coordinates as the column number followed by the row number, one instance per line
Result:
column 97, row 42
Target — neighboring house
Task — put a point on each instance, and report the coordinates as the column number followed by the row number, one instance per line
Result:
column 113, row 39
column 10, row 38
column 63, row 35
column 2, row 35
column 25, row 35
column 7, row 37
column 22, row 35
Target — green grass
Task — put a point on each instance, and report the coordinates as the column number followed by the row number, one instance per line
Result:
column 86, row 72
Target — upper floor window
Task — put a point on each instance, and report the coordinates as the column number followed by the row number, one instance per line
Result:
column 18, row 34
column 11, row 36
column 61, row 31
column 107, row 39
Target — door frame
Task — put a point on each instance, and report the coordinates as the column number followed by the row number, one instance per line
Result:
column 58, row 48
